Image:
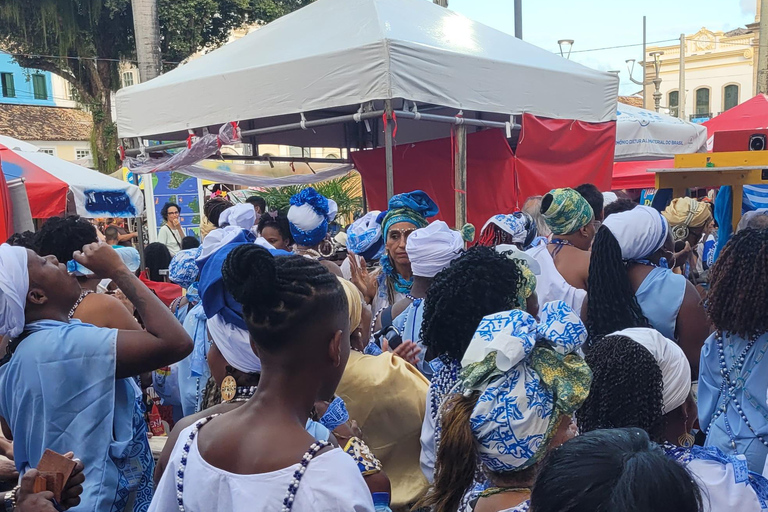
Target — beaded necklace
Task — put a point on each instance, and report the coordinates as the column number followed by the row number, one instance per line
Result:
column 560, row 243
column 243, row 394
column 290, row 495
column 442, row 383
column 732, row 381
column 83, row 295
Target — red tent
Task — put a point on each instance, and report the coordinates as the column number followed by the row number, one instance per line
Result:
column 6, row 210
column 750, row 115
column 47, row 194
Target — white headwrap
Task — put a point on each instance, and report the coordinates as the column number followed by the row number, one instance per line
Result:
column 513, row 253
column 519, row 403
column 14, row 285
column 675, row 368
column 433, row 248
column 234, row 344
column 609, row 197
column 365, row 234
column 513, row 224
column 242, row 215
column 218, row 238
column 309, row 215
column 640, row 231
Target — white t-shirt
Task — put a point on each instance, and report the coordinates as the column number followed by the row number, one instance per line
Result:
column 332, row 482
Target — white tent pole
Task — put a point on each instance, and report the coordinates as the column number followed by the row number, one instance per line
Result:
column 388, row 150
column 460, row 175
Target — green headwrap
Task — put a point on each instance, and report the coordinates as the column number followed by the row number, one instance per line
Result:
column 567, row 212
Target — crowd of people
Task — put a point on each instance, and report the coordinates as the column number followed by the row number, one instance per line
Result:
column 585, row 353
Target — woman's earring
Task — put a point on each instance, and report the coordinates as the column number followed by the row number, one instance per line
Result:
column 686, row 440
column 228, row 387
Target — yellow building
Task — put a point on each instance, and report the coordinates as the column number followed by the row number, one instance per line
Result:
column 61, row 132
column 719, row 72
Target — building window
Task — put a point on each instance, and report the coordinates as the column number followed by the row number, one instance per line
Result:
column 39, row 86
column 702, row 102
column 673, row 100
column 9, row 90
column 82, row 153
column 127, row 78
column 48, row 151
column 731, row 97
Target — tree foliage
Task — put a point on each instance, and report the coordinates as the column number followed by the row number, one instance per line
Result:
column 344, row 190
column 84, row 42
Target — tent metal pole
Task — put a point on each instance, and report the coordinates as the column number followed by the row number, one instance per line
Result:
column 140, row 224
column 388, row 150
column 275, row 129
column 454, row 120
column 460, row 176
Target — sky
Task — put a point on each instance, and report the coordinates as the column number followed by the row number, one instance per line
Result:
column 594, row 24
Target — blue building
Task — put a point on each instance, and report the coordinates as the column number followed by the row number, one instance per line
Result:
column 22, row 86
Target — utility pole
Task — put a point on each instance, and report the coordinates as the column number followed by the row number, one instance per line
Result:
column 681, row 88
column 442, row 3
column 146, row 28
column 519, row 19
column 762, row 54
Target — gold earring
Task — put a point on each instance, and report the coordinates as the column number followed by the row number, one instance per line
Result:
column 686, row 440
column 228, row 388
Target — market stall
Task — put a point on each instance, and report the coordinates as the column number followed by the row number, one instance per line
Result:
column 55, row 186
column 378, row 73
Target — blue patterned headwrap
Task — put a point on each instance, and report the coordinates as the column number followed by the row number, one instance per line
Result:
column 335, row 415
column 183, row 267
column 414, row 207
column 364, row 236
column 309, row 215
column 529, row 378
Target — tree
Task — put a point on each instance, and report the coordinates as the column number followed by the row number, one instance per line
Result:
column 84, row 41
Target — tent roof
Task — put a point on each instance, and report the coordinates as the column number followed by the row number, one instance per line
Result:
column 644, row 135
column 337, row 54
column 750, row 115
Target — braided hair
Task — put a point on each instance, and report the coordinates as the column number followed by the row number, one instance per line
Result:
column 478, row 283
column 61, row 237
column 627, row 388
column 738, row 293
column 213, row 208
column 611, row 305
column 280, row 294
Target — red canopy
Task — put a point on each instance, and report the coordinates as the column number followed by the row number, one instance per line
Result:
column 750, row 115
column 47, row 194
column 6, row 210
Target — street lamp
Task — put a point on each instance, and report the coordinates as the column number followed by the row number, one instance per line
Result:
column 656, row 80
column 565, row 45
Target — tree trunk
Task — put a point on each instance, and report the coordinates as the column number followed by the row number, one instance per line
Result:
column 104, row 134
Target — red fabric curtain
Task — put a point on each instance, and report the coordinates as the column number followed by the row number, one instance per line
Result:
column 554, row 153
column 429, row 166
column 635, row 175
column 6, row 210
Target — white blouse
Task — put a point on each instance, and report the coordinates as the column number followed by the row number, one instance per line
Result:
column 332, row 482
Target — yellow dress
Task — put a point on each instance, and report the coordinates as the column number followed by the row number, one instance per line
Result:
column 387, row 397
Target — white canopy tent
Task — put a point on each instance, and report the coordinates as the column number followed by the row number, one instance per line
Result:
column 336, row 53
column 331, row 73
column 646, row 135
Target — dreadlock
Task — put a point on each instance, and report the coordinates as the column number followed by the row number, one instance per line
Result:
column 213, row 208
column 61, row 237
column 281, row 293
column 611, row 305
column 627, row 388
column 25, row 239
column 478, row 283
column 738, row 294
column 493, row 235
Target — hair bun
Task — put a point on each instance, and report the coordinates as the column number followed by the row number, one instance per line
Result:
column 250, row 275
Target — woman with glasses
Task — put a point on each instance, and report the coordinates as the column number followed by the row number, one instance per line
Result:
column 171, row 233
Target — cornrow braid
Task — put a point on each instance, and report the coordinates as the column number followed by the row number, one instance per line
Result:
column 492, row 236
column 611, row 305
column 627, row 388
column 213, row 208
column 280, row 293
column 738, row 294
column 478, row 283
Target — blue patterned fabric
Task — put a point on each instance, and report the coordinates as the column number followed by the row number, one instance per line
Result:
column 136, row 469
column 364, row 237
column 183, row 269
column 414, row 207
column 309, row 215
column 335, row 415
column 528, row 378
column 400, row 284
column 741, row 472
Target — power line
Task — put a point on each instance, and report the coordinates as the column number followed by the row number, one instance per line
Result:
column 103, row 59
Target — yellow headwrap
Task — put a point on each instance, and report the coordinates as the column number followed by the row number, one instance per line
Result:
column 686, row 212
column 355, row 302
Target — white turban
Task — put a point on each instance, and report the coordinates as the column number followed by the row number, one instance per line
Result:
column 217, row 239
column 14, row 285
column 675, row 368
column 640, row 231
column 609, row 197
column 433, row 248
column 234, row 344
column 241, row 215
column 309, row 215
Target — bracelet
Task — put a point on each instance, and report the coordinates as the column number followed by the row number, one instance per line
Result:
column 9, row 499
